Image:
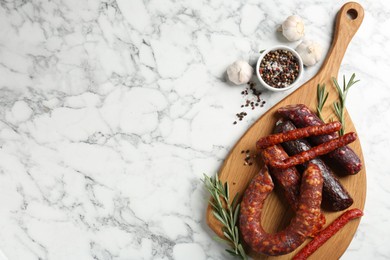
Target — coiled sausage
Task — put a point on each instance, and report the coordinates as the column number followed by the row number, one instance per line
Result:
column 300, row 227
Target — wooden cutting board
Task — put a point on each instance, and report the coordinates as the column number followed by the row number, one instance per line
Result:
column 276, row 213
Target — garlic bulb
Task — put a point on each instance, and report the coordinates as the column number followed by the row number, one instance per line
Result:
column 240, row 72
column 293, row 28
column 310, row 52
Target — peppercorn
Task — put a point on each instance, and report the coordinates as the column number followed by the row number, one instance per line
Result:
column 252, row 100
column 279, row 68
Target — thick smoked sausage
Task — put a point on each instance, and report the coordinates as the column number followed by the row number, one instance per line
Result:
column 300, row 227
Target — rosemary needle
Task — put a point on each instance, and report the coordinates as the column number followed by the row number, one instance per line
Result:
column 226, row 213
column 321, row 99
column 339, row 106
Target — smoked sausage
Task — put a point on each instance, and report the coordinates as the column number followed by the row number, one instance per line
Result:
column 288, row 179
column 298, row 134
column 327, row 233
column 312, row 153
column 334, row 196
column 300, row 227
column 301, row 116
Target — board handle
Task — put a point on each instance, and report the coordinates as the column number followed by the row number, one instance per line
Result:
column 348, row 21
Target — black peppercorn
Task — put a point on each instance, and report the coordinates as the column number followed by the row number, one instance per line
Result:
column 279, row 68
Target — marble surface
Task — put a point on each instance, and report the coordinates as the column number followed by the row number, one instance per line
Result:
column 111, row 111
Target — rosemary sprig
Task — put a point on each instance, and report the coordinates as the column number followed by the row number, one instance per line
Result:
column 226, row 213
column 339, row 106
column 321, row 99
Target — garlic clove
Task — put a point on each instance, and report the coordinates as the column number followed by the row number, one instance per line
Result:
column 310, row 52
column 239, row 72
column 293, row 28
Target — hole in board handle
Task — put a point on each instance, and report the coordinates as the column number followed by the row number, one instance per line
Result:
column 352, row 14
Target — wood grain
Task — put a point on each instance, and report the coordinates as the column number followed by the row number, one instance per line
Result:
column 276, row 214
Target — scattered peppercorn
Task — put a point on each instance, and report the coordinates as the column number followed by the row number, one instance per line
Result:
column 252, row 100
column 279, row 68
column 248, row 159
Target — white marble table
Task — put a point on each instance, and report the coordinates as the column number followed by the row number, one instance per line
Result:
column 112, row 111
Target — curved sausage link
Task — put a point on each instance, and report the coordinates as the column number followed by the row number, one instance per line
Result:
column 300, row 227
column 312, row 153
column 288, row 179
column 298, row 133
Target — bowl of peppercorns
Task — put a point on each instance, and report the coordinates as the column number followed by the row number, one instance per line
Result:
column 279, row 68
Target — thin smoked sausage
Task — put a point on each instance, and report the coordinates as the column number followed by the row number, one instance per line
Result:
column 312, row 153
column 298, row 134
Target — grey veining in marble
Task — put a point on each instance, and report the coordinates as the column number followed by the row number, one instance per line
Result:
column 111, row 111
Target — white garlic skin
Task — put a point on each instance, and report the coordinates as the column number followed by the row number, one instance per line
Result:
column 240, row 72
column 310, row 52
column 293, row 28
